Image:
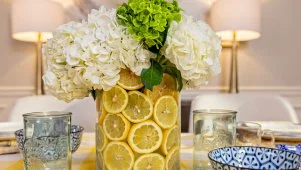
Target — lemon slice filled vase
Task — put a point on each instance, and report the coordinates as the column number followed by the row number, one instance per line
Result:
column 138, row 128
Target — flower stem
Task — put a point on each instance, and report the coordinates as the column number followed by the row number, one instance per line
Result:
column 159, row 58
column 163, row 61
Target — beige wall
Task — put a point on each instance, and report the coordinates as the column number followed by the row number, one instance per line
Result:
column 274, row 59
column 269, row 64
column 16, row 58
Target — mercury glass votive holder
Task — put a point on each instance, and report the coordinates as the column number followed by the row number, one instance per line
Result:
column 47, row 141
column 212, row 129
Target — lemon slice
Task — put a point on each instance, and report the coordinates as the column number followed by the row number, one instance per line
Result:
column 151, row 161
column 168, row 86
column 139, row 107
column 115, row 100
column 129, row 80
column 166, row 112
column 145, row 137
column 102, row 116
column 116, row 126
column 101, row 139
column 100, row 161
column 173, row 159
column 118, row 156
column 99, row 107
column 171, row 139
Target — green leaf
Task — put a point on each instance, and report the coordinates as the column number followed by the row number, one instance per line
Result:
column 152, row 76
column 173, row 71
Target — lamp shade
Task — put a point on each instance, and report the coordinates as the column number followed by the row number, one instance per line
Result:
column 241, row 16
column 31, row 17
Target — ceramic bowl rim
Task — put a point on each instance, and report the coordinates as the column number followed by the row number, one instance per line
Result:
column 211, row 159
column 78, row 129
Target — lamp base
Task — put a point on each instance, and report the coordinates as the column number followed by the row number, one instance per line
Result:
column 233, row 85
column 39, row 67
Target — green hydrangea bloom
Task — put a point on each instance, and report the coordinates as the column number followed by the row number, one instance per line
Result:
column 149, row 20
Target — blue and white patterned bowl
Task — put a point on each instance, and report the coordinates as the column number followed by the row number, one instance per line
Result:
column 295, row 149
column 247, row 157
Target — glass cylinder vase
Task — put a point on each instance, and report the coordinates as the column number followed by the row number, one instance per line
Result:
column 138, row 128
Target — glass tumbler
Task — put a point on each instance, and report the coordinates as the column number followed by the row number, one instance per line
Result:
column 251, row 133
column 212, row 129
column 47, row 143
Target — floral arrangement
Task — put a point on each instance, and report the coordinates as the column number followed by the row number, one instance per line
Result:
column 149, row 37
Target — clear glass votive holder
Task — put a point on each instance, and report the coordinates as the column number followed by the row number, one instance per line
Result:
column 251, row 133
column 213, row 129
column 248, row 134
column 47, row 143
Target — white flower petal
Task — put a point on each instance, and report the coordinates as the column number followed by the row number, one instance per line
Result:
column 194, row 48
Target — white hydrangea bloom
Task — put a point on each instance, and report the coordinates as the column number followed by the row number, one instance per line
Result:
column 134, row 56
column 62, row 80
column 89, row 55
column 194, row 48
column 118, row 42
column 106, row 47
column 64, row 87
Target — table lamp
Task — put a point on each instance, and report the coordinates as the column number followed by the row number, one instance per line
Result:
column 33, row 21
column 236, row 20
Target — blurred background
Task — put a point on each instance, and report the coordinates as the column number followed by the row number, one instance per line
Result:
column 269, row 64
